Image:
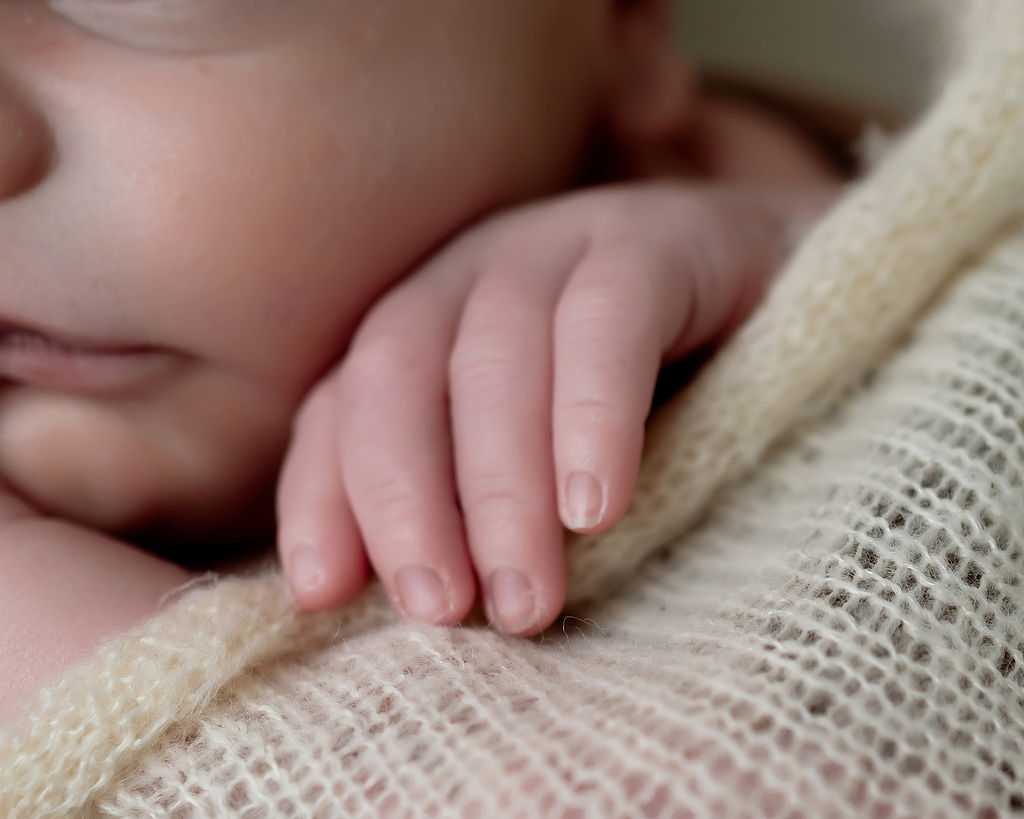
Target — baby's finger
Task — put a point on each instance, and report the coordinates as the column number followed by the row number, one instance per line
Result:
column 320, row 547
column 609, row 336
column 501, row 408
column 395, row 451
column 689, row 270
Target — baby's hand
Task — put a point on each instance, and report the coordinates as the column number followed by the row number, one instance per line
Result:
column 500, row 393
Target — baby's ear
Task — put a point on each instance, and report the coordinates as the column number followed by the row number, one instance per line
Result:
column 650, row 86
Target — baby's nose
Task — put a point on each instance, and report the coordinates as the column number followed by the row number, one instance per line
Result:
column 24, row 144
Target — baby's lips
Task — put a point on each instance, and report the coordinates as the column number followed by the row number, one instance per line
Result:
column 39, row 359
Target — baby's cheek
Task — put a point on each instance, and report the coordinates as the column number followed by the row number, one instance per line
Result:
column 187, row 455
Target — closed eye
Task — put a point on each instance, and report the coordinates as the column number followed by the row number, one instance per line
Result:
column 177, row 26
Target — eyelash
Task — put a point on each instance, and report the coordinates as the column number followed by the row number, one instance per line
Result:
column 155, row 25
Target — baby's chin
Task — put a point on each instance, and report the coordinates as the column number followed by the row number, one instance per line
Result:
column 192, row 461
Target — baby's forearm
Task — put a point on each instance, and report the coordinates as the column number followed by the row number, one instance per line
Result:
column 64, row 590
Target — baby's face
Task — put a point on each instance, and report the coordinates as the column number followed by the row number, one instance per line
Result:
column 199, row 199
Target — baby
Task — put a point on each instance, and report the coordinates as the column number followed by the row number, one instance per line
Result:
column 354, row 235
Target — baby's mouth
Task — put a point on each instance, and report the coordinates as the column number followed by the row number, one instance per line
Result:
column 33, row 357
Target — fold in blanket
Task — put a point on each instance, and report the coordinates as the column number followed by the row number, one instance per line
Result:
column 839, row 636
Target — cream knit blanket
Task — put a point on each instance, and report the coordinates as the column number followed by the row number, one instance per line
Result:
column 841, row 634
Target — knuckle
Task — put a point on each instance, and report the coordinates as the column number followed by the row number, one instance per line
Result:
column 591, row 309
column 392, row 501
column 492, row 497
column 379, row 358
column 650, row 222
column 591, row 411
column 478, row 377
column 482, row 366
column 623, row 217
column 615, row 214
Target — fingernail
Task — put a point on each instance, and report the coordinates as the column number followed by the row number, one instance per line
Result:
column 421, row 594
column 511, row 602
column 305, row 570
column 584, row 501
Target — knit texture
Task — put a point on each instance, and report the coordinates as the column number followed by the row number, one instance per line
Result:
column 813, row 609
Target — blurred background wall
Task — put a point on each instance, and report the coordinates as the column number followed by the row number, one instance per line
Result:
column 875, row 55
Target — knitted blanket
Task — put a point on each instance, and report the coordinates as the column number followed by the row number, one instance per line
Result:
column 815, row 606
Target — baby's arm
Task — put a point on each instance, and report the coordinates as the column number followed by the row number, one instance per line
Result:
column 64, row 590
